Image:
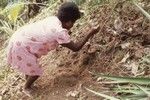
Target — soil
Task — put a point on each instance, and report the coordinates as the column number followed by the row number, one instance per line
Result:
column 67, row 73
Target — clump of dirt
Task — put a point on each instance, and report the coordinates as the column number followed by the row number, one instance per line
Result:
column 122, row 40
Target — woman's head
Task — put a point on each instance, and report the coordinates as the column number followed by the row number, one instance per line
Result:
column 68, row 13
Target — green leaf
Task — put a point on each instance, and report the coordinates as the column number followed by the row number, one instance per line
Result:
column 13, row 11
column 134, row 87
column 144, row 90
column 102, row 95
column 135, row 97
column 137, row 92
column 111, row 82
column 137, row 80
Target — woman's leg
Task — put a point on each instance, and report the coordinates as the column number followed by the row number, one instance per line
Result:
column 30, row 80
column 26, row 77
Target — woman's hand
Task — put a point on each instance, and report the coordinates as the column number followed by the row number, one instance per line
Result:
column 94, row 28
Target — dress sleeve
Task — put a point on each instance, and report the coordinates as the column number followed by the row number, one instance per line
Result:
column 63, row 36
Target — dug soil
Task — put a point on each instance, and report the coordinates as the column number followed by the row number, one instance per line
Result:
column 123, row 39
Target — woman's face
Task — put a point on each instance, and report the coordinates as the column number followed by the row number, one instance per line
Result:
column 68, row 25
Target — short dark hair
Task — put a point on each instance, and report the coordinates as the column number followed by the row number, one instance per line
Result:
column 68, row 11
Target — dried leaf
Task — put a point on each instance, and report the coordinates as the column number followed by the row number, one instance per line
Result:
column 125, row 58
column 125, row 45
column 134, row 68
column 73, row 94
column 118, row 25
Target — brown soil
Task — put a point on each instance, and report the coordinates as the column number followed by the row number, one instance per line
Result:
column 66, row 73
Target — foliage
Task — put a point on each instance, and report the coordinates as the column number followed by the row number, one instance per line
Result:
column 79, row 2
column 12, row 11
column 102, row 95
column 127, row 92
column 3, row 3
column 127, row 88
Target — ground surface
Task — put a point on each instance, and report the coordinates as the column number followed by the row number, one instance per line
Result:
column 121, row 43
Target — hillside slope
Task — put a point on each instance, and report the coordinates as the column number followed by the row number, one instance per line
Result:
column 118, row 49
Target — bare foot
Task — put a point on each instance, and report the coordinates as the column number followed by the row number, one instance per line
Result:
column 29, row 91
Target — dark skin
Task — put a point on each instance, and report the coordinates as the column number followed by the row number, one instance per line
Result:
column 74, row 46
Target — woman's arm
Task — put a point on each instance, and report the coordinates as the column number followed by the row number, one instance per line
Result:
column 76, row 46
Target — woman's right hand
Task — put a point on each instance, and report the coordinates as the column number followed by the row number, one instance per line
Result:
column 94, row 28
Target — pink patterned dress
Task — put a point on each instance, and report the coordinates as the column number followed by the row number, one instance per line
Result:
column 32, row 41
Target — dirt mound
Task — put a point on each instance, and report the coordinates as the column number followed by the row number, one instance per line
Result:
column 121, row 42
column 127, row 33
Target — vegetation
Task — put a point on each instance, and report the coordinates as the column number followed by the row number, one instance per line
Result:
column 135, row 85
column 129, row 91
